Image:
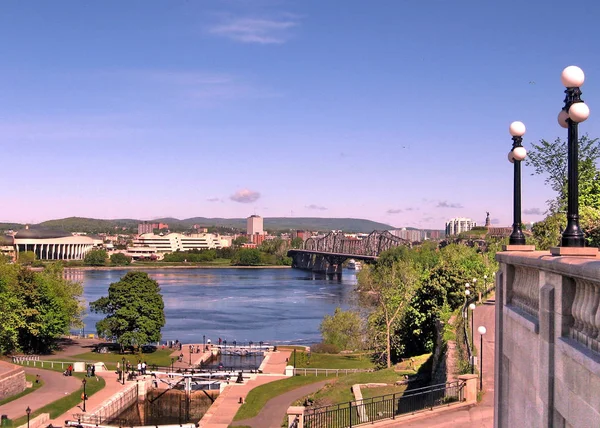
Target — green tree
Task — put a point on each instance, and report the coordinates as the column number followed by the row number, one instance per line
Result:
column 95, row 258
column 390, row 287
column 26, row 258
column 36, row 308
column 119, row 259
column 239, row 241
column 247, row 257
column 135, row 310
column 297, row 243
column 550, row 160
column 343, row 330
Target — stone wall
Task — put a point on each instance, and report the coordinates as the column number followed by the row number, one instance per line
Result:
column 12, row 380
column 547, row 352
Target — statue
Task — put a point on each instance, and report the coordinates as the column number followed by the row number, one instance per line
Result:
column 487, row 219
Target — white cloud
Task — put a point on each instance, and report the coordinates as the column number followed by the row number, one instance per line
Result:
column 213, row 199
column 445, row 204
column 394, row 211
column 245, row 196
column 533, row 211
column 316, row 207
column 255, row 30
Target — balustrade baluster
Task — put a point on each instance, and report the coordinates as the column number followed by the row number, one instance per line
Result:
column 575, row 308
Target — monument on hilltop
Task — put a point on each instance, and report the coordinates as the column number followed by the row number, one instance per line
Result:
column 487, row 220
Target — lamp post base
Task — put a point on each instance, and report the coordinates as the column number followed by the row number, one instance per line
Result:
column 574, row 251
column 518, row 247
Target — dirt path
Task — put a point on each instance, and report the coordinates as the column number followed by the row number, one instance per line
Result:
column 275, row 410
column 55, row 386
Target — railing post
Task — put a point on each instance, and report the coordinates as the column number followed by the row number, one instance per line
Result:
column 350, row 412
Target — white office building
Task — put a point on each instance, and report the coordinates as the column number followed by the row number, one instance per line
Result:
column 458, row 225
column 178, row 242
column 254, row 225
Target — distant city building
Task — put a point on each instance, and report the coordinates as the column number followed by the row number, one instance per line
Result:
column 147, row 227
column 7, row 246
column 178, row 242
column 48, row 244
column 254, row 225
column 302, row 234
column 256, row 238
column 409, row 235
column 458, row 225
column 200, row 229
column 435, row 234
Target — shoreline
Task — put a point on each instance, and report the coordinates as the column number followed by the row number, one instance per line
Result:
column 130, row 267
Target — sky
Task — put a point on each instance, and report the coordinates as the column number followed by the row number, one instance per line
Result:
column 391, row 110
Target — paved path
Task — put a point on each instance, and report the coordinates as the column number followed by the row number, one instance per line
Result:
column 223, row 410
column 481, row 415
column 55, row 386
column 94, row 401
column 275, row 410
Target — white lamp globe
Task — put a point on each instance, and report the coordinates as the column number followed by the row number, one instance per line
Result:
column 519, row 153
column 562, row 119
column 510, row 157
column 467, row 292
column 572, row 76
column 481, row 330
column 472, row 306
column 474, row 279
column 517, row 129
column 579, row 112
column 467, row 285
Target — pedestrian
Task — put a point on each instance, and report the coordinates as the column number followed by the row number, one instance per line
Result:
column 37, row 378
column 70, row 370
column 219, row 341
column 139, row 367
column 144, row 365
column 93, row 370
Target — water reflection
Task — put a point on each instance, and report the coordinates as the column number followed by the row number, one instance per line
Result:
column 275, row 305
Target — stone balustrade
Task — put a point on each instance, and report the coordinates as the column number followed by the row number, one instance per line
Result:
column 547, row 341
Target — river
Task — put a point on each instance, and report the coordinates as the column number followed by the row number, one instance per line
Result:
column 282, row 306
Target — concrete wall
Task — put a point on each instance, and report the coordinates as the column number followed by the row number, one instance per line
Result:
column 12, row 380
column 547, row 350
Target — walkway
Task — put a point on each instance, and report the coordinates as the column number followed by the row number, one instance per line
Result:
column 275, row 410
column 481, row 415
column 94, row 401
column 223, row 410
column 55, row 386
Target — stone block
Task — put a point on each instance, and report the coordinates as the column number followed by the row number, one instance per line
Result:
column 574, row 251
column 518, row 248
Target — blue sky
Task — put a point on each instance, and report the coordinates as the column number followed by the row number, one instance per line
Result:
column 391, row 110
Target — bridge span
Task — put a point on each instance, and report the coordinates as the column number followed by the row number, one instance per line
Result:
column 327, row 254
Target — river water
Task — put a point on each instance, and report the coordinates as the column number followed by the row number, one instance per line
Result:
column 284, row 306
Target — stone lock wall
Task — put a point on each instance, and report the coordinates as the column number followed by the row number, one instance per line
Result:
column 12, row 380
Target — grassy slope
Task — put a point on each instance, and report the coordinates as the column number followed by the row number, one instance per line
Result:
column 29, row 378
column 332, row 361
column 160, row 358
column 259, row 396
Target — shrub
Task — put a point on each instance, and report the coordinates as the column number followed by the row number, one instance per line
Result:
column 324, row 348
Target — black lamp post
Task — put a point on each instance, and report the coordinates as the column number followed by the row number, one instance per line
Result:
column 574, row 112
column 84, row 396
column 123, row 371
column 204, row 343
column 472, row 307
column 516, row 155
column 481, row 330
column 190, row 348
column 172, row 362
column 28, row 411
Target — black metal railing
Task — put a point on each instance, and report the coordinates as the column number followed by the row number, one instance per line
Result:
column 295, row 422
column 387, row 406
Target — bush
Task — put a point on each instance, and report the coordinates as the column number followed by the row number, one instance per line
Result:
column 324, row 348
column 119, row 259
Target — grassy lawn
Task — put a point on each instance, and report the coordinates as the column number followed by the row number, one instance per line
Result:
column 332, row 361
column 340, row 391
column 29, row 378
column 259, row 396
column 160, row 358
column 66, row 403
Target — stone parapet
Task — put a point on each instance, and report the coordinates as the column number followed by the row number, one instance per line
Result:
column 547, row 343
column 12, row 380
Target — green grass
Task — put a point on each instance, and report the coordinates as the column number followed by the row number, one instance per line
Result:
column 160, row 358
column 383, row 390
column 29, row 378
column 62, row 405
column 259, row 396
column 332, row 361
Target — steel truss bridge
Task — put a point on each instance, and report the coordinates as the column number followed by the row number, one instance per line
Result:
column 327, row 254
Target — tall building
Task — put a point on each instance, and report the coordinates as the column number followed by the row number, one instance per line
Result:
column 458, row 225
column 409, row 235
column 146, row 227
column 254, row 225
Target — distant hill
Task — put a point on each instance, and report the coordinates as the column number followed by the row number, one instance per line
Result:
column 91, row 225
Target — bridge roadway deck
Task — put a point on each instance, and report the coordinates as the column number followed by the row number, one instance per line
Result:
column 325, row 253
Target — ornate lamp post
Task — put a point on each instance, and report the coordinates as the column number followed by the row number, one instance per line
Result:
column 472, row 307
column 516, row 155
column 28, row 411
column 123, row 370
column 172, row 362
column 191, row 349
column 481, row 330
column 84, row 396
column 574, row 112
